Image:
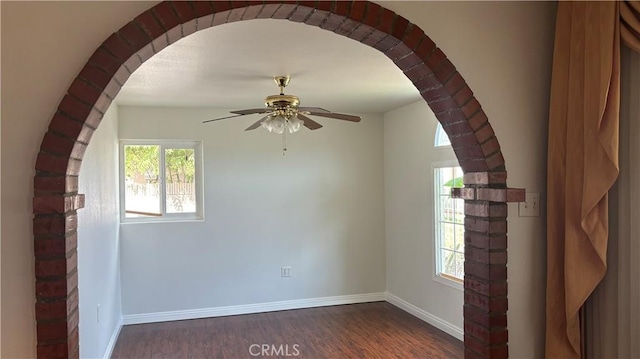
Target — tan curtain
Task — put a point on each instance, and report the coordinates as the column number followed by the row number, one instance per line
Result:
column 613, row 310
column 630, row 24
column 582, row 158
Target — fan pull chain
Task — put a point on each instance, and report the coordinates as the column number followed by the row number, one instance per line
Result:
column 284, row 141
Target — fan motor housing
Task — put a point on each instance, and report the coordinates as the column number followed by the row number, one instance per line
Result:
column 282, row 101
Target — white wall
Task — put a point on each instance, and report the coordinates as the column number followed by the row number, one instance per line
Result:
column 409, row 212
column 98, row 240
column 503, row 49
column 319, row 209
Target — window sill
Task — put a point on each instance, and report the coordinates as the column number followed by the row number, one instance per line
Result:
column 163, row 219
column 454, row 283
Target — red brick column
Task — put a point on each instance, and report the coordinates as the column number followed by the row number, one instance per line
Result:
column 485, row 279
column 55, row 245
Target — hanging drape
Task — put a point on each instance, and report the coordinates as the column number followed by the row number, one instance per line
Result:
column 630, row 24
column 613, row 310
column 582, row 158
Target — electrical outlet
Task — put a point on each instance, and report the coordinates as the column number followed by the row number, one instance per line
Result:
column 285, row 272
column 531, row 206
column 98, row 313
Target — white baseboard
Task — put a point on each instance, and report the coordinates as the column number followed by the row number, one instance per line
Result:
column 114, row 338
column 252, row 308
column 443, row 325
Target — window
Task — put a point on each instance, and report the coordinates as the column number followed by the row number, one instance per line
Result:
column 160, row 181
column 442, row 139
column 449, row 224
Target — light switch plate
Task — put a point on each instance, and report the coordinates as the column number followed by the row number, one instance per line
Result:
column 531, row 206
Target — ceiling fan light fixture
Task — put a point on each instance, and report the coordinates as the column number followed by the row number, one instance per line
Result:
column 274, row 124
column 294, row 124
column 279, row 123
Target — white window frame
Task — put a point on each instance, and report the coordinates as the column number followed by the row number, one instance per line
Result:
column 438, row 276
column 198, row 215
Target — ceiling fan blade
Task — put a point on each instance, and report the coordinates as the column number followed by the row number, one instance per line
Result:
column 309, row 123
column 252, row 111
column 338, row 116
column 257, row 124
column 313, row 109
column 222, row 118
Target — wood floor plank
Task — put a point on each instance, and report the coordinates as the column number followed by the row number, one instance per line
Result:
column 370, row 330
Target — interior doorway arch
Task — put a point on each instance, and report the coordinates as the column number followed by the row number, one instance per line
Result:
column 56, row 197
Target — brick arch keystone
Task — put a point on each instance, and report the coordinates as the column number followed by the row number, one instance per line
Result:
column 56, row 199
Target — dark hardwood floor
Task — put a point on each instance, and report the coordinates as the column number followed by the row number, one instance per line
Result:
column 369, row 330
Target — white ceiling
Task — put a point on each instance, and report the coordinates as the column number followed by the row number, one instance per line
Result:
column 231, row 66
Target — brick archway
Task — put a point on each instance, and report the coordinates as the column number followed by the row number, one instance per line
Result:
column 56, row 199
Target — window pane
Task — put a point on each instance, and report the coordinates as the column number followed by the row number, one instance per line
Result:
column 441, row 137
column 142, row 181
column 448, row 261
column 447, row 212
column 459, row 247
column 180, row 169
column 458, row 209
column 448, row 236
column 449, row 177
column 445, row 180
column 459, row 271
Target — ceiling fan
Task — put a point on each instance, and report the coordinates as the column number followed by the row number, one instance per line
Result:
column 283, row 113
